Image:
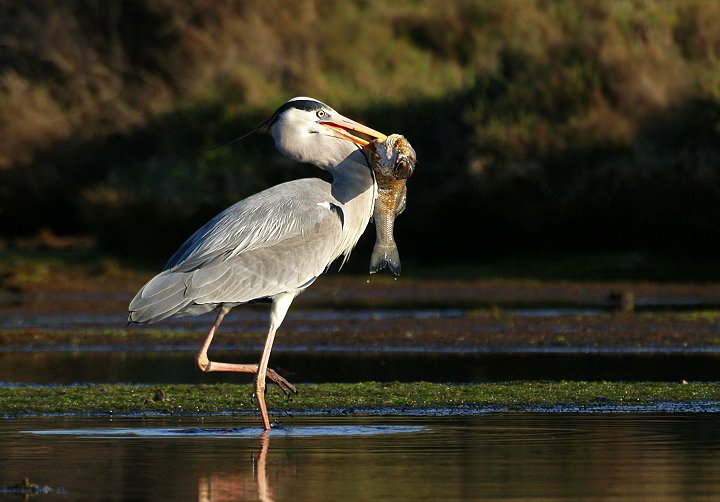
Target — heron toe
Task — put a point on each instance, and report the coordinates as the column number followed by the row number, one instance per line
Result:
column 281, row 382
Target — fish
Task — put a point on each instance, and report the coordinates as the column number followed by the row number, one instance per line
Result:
column 393, row 162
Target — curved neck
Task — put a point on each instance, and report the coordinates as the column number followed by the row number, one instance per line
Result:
column 351, row 177
column 353, row 186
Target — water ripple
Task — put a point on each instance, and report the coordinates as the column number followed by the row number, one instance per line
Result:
column 229, row 432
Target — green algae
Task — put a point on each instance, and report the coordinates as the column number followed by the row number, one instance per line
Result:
column 341, row 398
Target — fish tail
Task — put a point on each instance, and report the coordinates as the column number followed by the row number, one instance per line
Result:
column 385, row 256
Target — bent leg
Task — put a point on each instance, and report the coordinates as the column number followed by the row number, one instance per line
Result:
column 205, row 364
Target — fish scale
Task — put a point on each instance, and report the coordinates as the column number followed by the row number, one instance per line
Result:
column 392, row 161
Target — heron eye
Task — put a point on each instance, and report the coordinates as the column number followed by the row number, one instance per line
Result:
column 320, row 114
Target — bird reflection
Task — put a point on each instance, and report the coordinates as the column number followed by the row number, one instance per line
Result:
column 226, row 487
column 264, row 493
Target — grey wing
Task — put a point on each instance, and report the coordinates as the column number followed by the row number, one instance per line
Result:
column 275, row 241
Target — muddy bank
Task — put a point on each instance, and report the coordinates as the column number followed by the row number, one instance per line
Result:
column 67, row 306
column 471, row 332
column 452, row 329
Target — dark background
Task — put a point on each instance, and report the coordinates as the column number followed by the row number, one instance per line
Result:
column 540, row 126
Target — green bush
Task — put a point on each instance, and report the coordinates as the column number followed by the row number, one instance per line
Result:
column 538, row 124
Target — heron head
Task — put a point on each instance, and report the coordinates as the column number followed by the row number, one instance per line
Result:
column 308, row 130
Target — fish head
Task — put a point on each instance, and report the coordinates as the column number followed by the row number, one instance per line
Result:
column 393, row 157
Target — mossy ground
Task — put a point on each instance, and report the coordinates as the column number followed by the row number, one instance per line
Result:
column 340, row 398
column 26, row 279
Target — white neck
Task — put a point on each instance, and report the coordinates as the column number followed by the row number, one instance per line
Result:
column 354, row 187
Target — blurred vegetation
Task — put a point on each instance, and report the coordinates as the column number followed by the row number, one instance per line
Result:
column 540, row 125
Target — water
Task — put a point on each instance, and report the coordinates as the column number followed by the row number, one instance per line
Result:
column 84, row 366
column 640, row 454
column 489, row 457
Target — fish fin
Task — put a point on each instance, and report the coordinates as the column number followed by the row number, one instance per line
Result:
column 385, row 256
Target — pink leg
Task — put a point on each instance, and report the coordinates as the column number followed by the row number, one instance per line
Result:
column 206, row 365
column 260, row 378
column 279, row 308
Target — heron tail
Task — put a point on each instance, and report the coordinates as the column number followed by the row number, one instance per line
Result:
column 162, row 297
column 385, row 256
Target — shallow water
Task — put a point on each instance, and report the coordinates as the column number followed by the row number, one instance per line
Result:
column 639, row 454
column 357, row 366
column 491, row 456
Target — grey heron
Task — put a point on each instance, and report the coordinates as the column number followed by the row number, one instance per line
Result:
column 272, row 245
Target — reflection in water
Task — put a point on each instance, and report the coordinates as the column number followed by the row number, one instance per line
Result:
column 250, row 480
column 516, row 456
column 227, row 487
column 261, row 469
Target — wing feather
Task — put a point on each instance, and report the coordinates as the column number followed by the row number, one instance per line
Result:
column 260, row 220
column 275, row 241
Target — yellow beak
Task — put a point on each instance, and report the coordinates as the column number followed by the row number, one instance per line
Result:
column 344, row 127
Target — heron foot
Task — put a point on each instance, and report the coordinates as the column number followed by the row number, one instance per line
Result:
column 206, row 365
column 281, row 382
